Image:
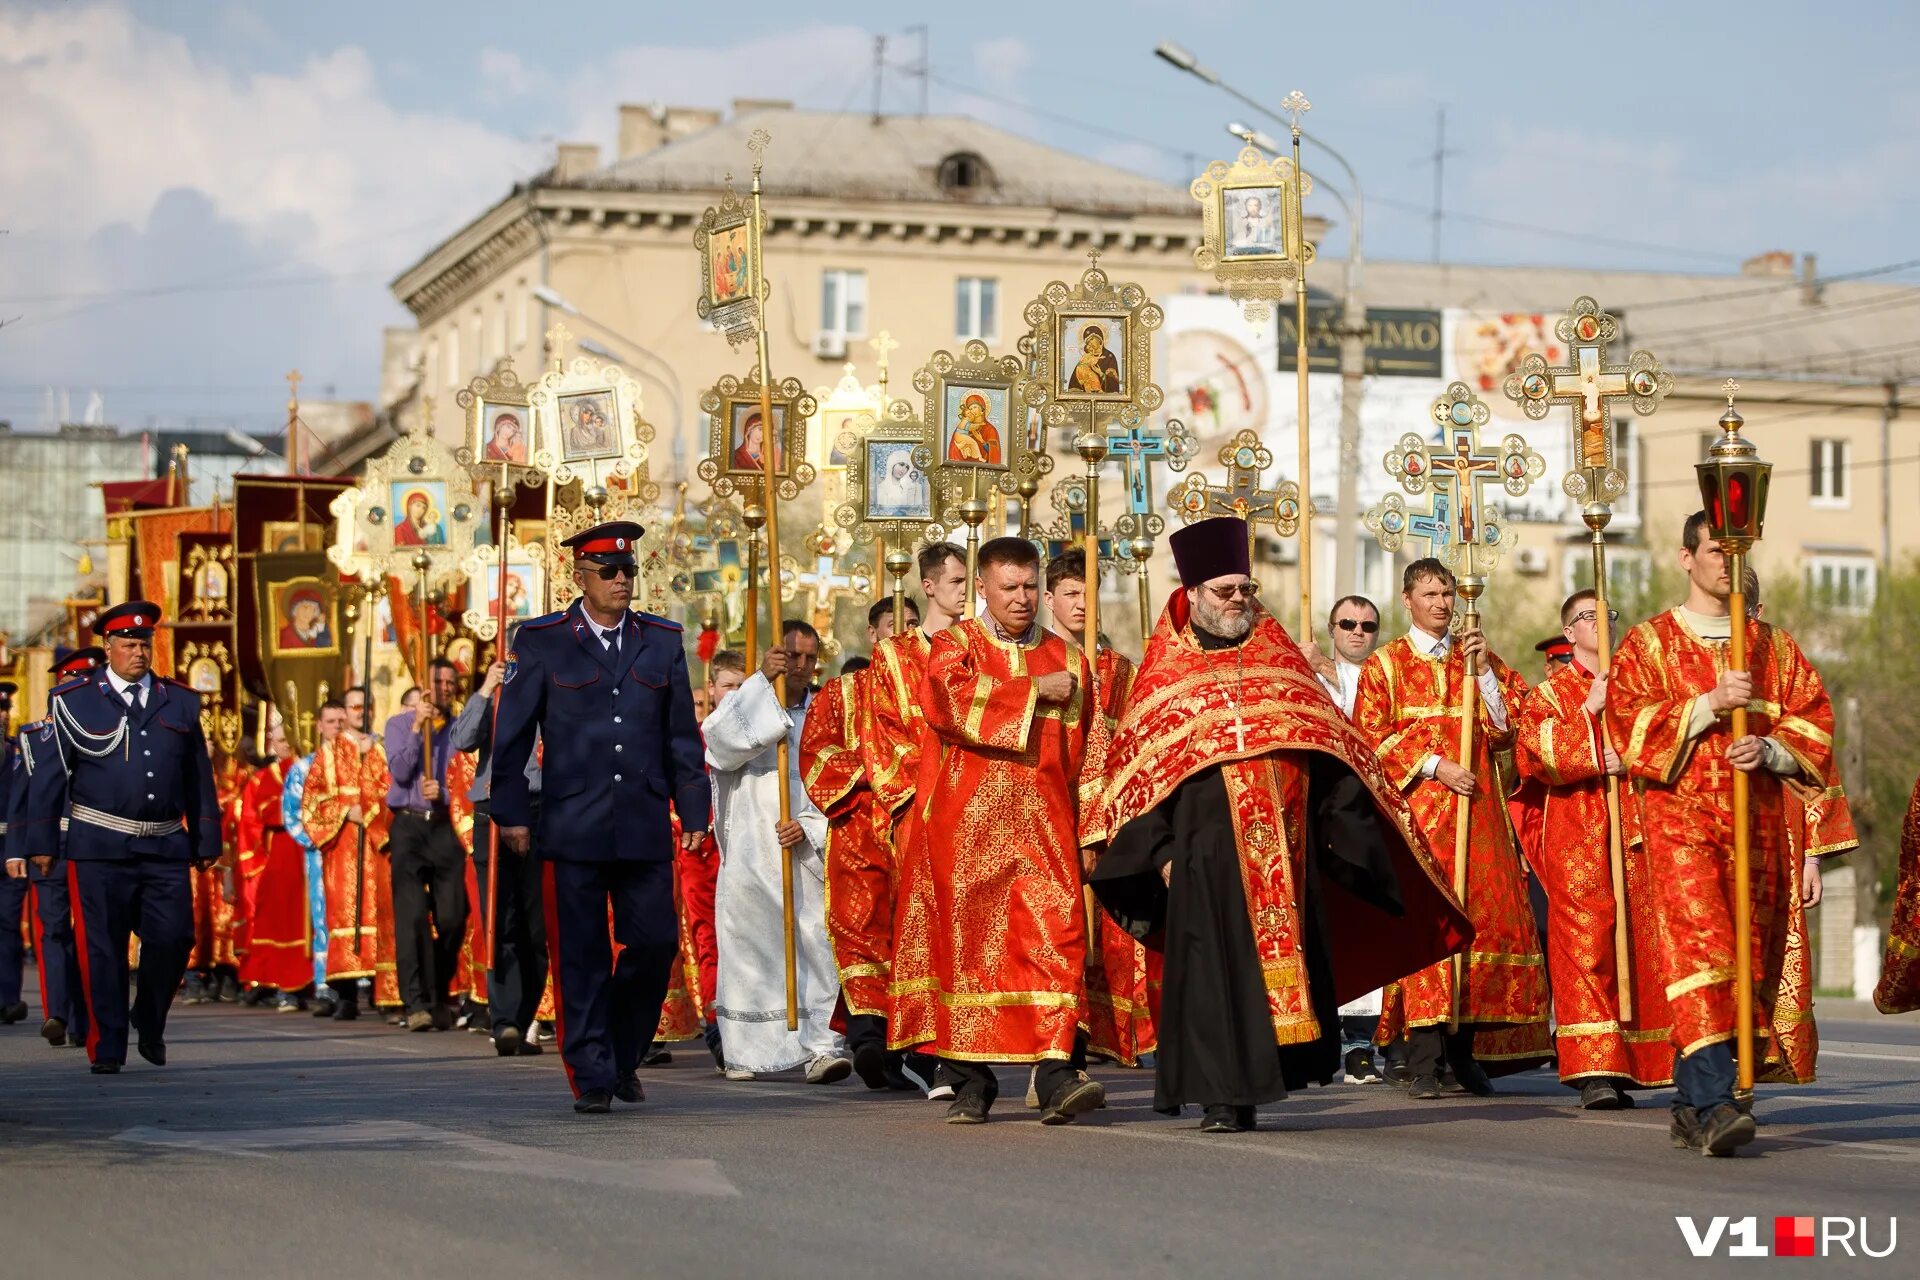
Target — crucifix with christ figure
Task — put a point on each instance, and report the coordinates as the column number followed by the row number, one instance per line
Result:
column 1245, row 458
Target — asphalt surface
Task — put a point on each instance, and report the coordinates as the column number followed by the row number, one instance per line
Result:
column 279, row 1145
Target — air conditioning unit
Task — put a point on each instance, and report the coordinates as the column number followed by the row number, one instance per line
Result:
column 1530, row 560
column 830, row 346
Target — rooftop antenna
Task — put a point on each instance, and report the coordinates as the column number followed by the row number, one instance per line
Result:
column 879, row 73
column 1440, row 154
column 924, row 68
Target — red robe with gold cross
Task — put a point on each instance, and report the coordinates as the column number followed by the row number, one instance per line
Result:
column 1821, row 829
column 280, row 942
column 859, row 863
column 890, row 760
column 1560, row 749
column 1684, row 789
column 1899, row 987
column 1409, row 706
column 1123, row 977
column 350, row 865
column 992, row 847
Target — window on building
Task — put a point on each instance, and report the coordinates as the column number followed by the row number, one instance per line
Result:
column 976, row 308
column 1626, row 455
column 964, row 171
column 1827, row 476
column 843, row 303
column 1842, row 582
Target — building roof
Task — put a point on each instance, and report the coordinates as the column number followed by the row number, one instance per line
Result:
column 854, row 155
column 1782, row 325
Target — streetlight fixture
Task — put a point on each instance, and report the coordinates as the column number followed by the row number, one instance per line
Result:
column 1353, row 322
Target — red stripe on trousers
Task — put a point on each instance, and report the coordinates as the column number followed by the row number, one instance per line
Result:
column 553, row 963
column 80, row 949
column 39, row 947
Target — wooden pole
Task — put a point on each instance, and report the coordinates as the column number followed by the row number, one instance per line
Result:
column 1305, row 632
column 503, row 502
column 1463, row 813
column 1742, row 835
column 1616, row 844
column 772, row 451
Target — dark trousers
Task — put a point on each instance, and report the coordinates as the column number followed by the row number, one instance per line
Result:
column 151, row 897
column 608, row 1010
column 518, row 972
column 1049, row 1073
column 1427, row 1045
column 61, row 995
column 429, row 907
column 1704, row 1078
column 864, row 1029
column 13, row 948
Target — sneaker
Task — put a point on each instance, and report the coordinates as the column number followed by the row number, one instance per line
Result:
column 920, row 1070
column 324, row 1007
column 1684, row 1128
column 970, row 1108
column 942, row 1090
column 1397, row 1072
column 419, row 1020
column 658, row 1056
column 1360, row 1068
column 287, row 1003
column 195, row 991
column 1724, row 1129
column 1600, row 1095
column 227, row 989
column 737, row 1073
column 543, row 1033
column 1424, row 1088
column 1076, row 1097
column 828, row 1068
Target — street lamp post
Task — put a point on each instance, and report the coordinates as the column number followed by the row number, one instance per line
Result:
column 1353, row 325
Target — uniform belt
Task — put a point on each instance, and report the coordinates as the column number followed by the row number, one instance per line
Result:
column 126, row 826
column 425, row 815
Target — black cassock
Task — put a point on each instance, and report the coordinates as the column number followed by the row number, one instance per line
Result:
column 1216, row 1034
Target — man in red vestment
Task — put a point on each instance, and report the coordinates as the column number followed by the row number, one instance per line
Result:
column 1409, row 705
column 859, row 861
column 1567, row 760
column 337, row 806
column 1257, row 840
column 890, row 757
column 280, row 941
column 1899, row 987
column 1668, row 701
column 1009, row 766
column 1117, row 1021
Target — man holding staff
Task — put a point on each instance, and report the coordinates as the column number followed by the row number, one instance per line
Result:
column 1670, row 698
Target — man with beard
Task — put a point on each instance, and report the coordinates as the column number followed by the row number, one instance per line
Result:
column 1256, row 839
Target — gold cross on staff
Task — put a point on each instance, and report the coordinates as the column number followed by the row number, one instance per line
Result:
column 293, row 389
column 1589, row 385
column 1245, row 458
column 1730, row 386
column 1459, row 468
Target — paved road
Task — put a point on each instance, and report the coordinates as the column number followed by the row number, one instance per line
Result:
column 281, row 1146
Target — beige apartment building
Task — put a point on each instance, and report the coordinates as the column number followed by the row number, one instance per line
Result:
column 939, row 229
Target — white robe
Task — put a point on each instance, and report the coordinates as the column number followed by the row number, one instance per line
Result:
column 751, row 995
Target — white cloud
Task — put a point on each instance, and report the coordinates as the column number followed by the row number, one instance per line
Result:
column 503, row 75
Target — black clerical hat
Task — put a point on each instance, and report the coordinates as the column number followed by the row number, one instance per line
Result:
column 1215, row 548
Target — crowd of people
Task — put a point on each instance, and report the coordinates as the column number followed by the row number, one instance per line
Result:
column 1242, row 863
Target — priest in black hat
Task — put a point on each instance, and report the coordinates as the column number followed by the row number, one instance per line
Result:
column 1257, row 845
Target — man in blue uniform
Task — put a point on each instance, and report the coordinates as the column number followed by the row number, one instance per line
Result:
column 63, row 1011
column 607, row 690
column 134, row 780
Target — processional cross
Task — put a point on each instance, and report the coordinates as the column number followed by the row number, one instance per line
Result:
column 1242, row 495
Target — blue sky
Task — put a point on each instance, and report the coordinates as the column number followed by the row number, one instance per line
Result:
column 202, row 195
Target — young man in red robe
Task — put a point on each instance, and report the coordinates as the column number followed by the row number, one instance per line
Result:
column 1568, row 760
column 1409, row 706
column 1009, row 767
column 859, row 861
column 337, row 807
column 1118, row 1018
column 1899, row 988
column 1669, row 698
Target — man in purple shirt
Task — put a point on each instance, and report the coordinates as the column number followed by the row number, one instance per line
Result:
column 428, row 865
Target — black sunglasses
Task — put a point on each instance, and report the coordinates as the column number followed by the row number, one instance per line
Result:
column 1349, row 624
column 608, row 572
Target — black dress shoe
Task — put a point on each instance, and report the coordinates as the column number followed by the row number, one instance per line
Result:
column 657, row 1057
column 54, row 1031
column 106, row 1068
column 154, row 1051
column 1220, row 1119
column 1600, row 1095
column 325, row 1008
column 969, row 1108
column 628, row 1089
column 870, row 1064
column 594, row 1102
column 1073, row 1098
column 531, row 1048
column 12, row 1013
column 346, row 1011
column 1424, row 1088
column 442, row 1017
column 507, row 1041
column 1724, row 1129
column 1249, row 1118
